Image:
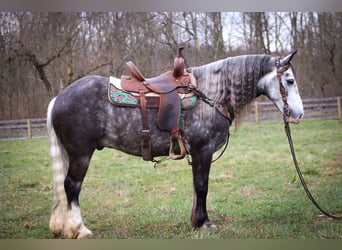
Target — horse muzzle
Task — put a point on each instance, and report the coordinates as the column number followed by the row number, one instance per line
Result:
column 290, row 119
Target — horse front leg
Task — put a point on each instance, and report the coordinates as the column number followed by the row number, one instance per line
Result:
column 201, row 162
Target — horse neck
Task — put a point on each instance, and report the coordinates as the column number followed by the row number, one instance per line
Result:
column 233, row 80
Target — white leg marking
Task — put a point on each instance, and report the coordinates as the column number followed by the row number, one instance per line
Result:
column 74, row 227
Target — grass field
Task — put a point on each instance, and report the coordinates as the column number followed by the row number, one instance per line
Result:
column 254, row 191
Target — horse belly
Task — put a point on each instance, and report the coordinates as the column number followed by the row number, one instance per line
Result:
column 124, row 131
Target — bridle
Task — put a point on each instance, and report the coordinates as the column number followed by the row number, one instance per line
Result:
column 287, row 118
column 283, row 91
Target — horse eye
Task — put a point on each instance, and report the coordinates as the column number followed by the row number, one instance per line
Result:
column 290, row 81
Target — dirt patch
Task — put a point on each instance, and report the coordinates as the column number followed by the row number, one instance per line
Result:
column 339, row 158
column 248, row 190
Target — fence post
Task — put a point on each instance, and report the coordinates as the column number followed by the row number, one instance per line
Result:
column 29, row 131
column 339, row 113
column 256, row 108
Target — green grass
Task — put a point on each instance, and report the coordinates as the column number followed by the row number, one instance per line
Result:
column 254, row 191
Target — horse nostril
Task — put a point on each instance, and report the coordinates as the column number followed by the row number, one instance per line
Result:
column 290, row 81
column 301, row 116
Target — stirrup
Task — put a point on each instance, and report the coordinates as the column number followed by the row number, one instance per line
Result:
column 174, row 142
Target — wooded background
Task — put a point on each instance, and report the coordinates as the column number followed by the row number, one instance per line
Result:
column 42, row 53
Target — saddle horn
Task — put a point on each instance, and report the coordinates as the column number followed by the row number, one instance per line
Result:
column 178, row 64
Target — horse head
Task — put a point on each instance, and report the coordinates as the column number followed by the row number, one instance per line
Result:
column 269, row 86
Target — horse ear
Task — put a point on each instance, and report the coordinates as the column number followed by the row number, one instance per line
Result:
column 286, row 60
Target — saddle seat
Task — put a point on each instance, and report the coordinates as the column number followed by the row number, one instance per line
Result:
column 168, row 86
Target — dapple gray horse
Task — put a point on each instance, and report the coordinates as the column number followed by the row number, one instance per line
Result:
column 81, row 120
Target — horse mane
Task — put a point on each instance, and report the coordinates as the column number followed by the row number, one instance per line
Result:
column 232, row 80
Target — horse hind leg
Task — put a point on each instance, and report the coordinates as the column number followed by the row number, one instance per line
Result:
column 74, row 227
column 65, row 217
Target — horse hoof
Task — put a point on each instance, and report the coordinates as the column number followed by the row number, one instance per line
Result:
column 84, row 233
column 208, row 225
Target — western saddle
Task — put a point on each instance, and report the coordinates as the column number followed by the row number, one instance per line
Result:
column 168, row 86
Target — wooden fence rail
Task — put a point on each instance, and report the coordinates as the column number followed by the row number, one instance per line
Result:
column 24, row 128
column 314, row 108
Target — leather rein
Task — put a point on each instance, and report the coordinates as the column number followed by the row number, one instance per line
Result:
column 287, row 118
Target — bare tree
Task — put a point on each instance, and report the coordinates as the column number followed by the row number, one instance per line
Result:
column 216, row 31
column 42, row 53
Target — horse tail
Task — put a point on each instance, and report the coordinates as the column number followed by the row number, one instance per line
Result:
column 59, row 158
